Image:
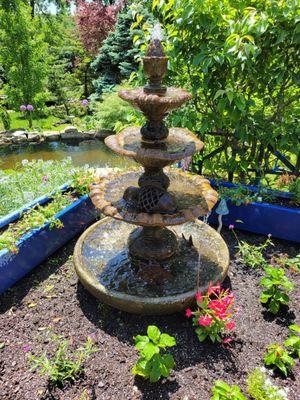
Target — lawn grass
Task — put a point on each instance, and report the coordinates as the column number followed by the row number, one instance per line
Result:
column 42, row 124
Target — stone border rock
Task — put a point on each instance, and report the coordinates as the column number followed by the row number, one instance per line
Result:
column 22, row 136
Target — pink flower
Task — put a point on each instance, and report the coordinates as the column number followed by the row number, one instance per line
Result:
column 22, row 108
column 44, row 178
column 231, row 226
column 199, row 297
column 214, row 289
column 227, row 340
column 26, row 348
column 30, row 107
column 230, row 325
column 85, row 102
column 205, row 320
column 188, row 312
column 269, row 235
column 228, row 300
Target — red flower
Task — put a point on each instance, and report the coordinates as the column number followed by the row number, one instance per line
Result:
column 205, row 320
column 214, row 290
column 188, row 312
column 230, row 325
column 199, row 297
column 227, row 340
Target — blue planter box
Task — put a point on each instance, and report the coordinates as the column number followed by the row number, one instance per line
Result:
column 262, row 218
column 13, row 216
column 39, row 244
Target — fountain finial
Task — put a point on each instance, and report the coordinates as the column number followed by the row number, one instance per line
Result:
column 155, row 63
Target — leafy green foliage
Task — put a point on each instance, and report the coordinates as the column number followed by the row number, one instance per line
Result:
column 152, row 364
column 223, row 391
column 252, row 255
column 35, row 178
column 293, row 341
column 24, row 56
column 242, row 195
column 5, row 118
column 111, row 112
column 294, row 188
column 64, row 365
column 260, row 387
column 277, row 286
column 278, row 357
column 239, row 60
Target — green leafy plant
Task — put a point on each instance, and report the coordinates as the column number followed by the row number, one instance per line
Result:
column 285, row 262
column 223, row 391
column 252, row 255
column 293, row 341
column 65, row 365
column 214, row 315
column 5, row 118
column 260, row 386
column 278, row 357
column 152, row 364
column 277, row 286
column 33, row 219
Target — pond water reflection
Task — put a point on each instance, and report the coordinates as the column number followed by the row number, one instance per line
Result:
column 92, row 152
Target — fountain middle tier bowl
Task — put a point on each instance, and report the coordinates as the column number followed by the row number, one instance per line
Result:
column 153, row 106
column 193, row 196
column 104, row 268
column 179, row 144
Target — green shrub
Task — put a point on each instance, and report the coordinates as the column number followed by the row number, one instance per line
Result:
column 152, row 365
column 278, row 358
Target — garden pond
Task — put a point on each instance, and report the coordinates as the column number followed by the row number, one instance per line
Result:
column 92, row 152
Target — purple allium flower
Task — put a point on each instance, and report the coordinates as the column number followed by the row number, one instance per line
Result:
column 231, row 226
column 22, row 108
column 85, row 102
column 30, row 107
column 44, row 178
column 26, row 348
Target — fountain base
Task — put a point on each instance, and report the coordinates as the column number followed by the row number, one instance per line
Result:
column 105, row 268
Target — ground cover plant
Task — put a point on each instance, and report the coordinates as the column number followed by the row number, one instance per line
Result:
column 30, row 180
column 261, row 387
column 64, row 365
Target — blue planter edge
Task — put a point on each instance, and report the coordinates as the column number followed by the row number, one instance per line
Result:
column 261, row 217
column 14, row 215
column 38, row 244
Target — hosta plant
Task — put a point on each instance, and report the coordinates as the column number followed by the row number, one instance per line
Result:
column 64, row 365
column 154, row 363
column 293, row 341
column 214, row 315
column 223, row 391
column 260, row 386
column 277, row 357
column 276, row 285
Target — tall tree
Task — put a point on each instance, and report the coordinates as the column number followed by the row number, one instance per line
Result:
column 23, row 54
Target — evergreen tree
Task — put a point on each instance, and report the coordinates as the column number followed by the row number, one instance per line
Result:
column 116, row 59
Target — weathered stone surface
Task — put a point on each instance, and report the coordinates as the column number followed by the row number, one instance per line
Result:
column 51, row 136
column 103, row 133
column 19, row 137
column 33, row 137
column 71, row 132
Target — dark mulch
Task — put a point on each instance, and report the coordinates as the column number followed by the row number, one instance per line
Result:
column 51, row 301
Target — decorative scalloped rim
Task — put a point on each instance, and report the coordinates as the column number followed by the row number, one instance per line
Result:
column 144, row 219
column 114, row 142
column 138, row 96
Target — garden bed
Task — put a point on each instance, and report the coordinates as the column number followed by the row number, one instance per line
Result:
column 50, row 301
column 264, row 218
column 38, row 244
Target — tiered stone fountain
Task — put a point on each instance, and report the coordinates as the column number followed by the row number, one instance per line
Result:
column 152, row 269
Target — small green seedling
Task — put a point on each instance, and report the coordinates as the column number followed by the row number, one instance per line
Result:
column 277, row 286
column 63, row 366
column 152, row 364
column 278, row 357
column 293, row 341
column 252, row 255
column 223, row 391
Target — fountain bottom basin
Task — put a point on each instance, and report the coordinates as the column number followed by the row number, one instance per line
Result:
column 104, row 267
